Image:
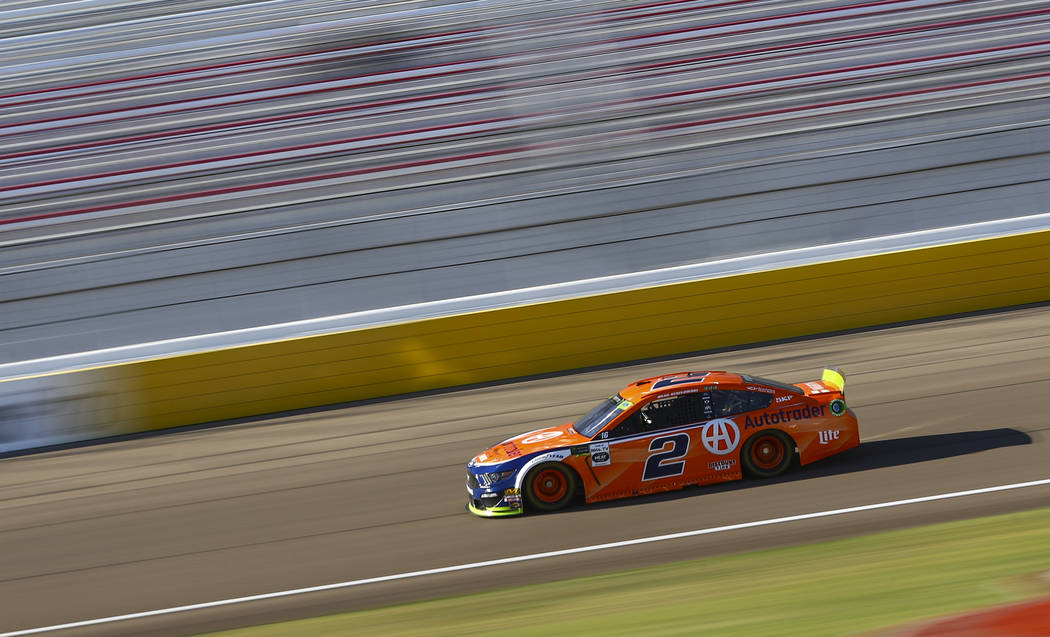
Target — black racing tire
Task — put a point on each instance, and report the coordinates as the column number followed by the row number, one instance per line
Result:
column 768, row 454
column 549, row 486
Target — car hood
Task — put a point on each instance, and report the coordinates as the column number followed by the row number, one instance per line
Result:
column 530, row 443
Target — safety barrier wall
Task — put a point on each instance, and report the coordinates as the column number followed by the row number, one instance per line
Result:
column 548, row 337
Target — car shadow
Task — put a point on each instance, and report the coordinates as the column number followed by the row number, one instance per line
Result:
column 876, row 454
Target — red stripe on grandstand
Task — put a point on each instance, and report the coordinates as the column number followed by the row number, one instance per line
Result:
column 636, row 68
column 665, row 127
column 206, row 76
column 655, row 5
column 250, row 122
column 838, row 39
column 286, row 149
column 272, row 184
column 794, row 24
column 847, row 69
column 274, row 58
column 497, row 58
column 220, row 65
column 854, row 100
column 253, row 61
column 850, row 7
column 246, row 100
column 480, row 122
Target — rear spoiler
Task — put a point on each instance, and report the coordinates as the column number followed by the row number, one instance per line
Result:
column 834, row 377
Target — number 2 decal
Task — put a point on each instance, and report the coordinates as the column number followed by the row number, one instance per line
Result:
column 667, row 448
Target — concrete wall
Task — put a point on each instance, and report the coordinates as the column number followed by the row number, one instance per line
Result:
column 527, row 339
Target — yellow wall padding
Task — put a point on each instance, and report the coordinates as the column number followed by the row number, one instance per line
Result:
column 606, row 328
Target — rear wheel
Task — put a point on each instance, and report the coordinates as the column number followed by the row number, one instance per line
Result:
column 549, row 486
column 768, row 453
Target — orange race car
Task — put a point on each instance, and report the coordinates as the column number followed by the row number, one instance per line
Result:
column 666, row 433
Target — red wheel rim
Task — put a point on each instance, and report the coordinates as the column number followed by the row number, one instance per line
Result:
column 549, row 485
column 767, row 452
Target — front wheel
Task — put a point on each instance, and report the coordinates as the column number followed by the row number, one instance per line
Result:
column 768, row 454
column 549, row 486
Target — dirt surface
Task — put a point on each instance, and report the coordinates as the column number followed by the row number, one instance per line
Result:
column 377, row 489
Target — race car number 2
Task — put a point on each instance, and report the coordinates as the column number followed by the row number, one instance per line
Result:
column 668, row 449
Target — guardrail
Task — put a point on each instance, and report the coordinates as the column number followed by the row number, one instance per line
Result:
column 523, row 339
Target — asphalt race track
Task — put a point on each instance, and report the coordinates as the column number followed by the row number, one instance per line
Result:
column 376, row 489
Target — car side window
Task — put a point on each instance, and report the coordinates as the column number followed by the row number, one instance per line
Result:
column 633, row 424
column 666, row 413
column 729, row 402
column 760, row 400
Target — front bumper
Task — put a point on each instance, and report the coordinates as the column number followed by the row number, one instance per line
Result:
column 494, row 512
column 492, row 504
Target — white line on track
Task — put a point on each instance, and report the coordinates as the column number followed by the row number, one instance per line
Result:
column 524, row 558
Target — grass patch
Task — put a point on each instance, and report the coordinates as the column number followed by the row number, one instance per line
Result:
column 831, row 588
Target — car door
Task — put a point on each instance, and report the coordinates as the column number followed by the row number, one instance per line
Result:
column 723, row 435
column 654, row 448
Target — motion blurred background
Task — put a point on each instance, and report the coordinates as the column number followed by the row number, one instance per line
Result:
column 178, row 168
column 178, row 176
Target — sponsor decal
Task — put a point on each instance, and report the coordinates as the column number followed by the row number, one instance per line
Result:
column 826, row 436
column 600, row 455
column 512, row 450
column 513, row 500
column 540, row 437
column 720, row 436
column 680, row 392
column 779, row 416
column 665, row 462
column 554, row 455
column 783, row 399
column 557, row 454
column 761, row 389
column 838, row 407
column 625, row 405
column 709, row 409
column 580, row 450
column 482, row 458
column 817, row 388
column 722, row 465
column 512, row 491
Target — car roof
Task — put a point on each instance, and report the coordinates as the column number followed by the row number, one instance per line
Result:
column 678, row 381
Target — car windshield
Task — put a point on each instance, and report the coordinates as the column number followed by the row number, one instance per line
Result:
column 600, row 416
